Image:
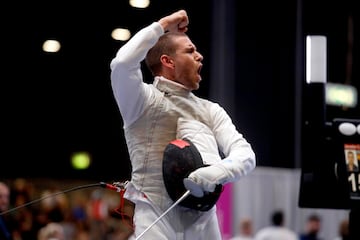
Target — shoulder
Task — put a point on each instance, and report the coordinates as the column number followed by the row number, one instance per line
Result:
column 262, row 232
column 209, row 104
column 292, row 234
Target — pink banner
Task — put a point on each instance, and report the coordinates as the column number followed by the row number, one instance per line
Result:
column 224, row 208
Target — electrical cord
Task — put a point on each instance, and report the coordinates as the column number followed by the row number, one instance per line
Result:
column 101, row 184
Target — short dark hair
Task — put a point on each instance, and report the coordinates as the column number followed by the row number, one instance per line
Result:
column 314, row 217
column 165, row 45
column 277, row 218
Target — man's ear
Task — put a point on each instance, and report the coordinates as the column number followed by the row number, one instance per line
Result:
column 167, row 61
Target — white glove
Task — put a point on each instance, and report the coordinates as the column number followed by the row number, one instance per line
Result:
column 205, row 179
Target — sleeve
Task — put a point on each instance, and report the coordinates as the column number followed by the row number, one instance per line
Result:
column 129, row 90
column 239, row 157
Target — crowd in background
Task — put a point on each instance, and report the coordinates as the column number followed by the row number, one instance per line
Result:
column 276, row 230
column 90, row 214
column 86, row 214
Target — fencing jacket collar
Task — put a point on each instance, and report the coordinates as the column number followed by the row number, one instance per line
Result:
column 170, row 87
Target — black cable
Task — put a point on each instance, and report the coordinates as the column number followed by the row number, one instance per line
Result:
column 53, row 195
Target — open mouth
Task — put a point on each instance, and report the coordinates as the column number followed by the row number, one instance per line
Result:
column 199, row 69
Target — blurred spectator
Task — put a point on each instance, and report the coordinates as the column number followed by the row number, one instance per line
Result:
column 343, row 230
column 52, row 231
column 5, row 233
column 22, row 193
column 54, row 204
column 245, row 230
column 98, row 213
column 277, row 231
column 312, row 228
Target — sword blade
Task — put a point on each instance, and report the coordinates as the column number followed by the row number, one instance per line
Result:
column 187, row 193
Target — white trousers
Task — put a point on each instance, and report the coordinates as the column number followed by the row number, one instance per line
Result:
column 174, row 225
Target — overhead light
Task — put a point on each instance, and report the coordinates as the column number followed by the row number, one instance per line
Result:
column 121, row 34
column 139, row 3
column 51, row 46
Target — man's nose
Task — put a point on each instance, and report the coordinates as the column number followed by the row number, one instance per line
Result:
column 199, row 57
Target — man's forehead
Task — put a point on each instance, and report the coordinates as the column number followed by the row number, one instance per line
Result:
column 185, row 40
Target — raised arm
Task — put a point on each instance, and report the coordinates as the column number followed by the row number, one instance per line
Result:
column 126, row 77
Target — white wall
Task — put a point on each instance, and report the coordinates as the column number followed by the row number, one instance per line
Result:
column 266, row 189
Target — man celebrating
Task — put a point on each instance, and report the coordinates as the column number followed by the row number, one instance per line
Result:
column 152, row 116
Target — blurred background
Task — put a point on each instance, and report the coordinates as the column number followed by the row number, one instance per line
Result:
column 58, row 104
column 60, row 120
